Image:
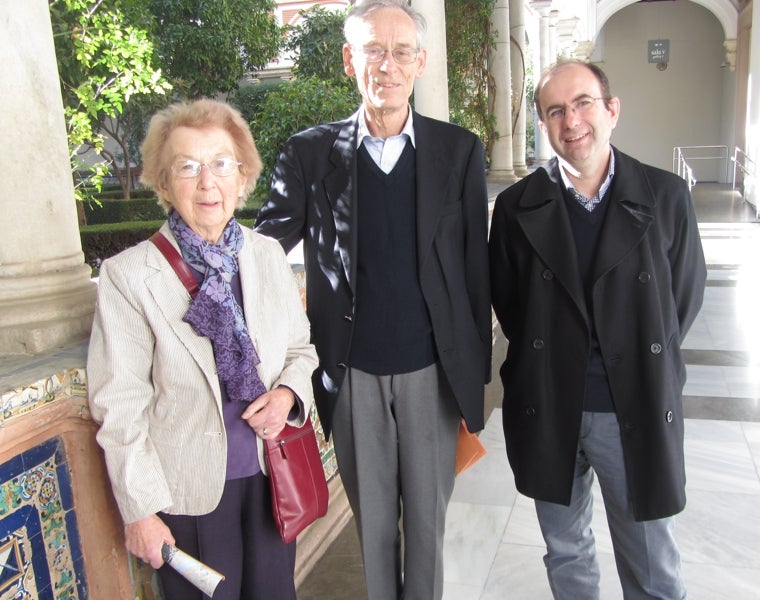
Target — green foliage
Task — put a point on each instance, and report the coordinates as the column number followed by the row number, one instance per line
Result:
column 249, row 98
column 320, row 93
column 469, row 40
column 208, row 46
column 121, row 211
column 102, row 241
column 302, row 103
column 105, row 57
column 127, row 132
column 530, row 129
column 317, row 45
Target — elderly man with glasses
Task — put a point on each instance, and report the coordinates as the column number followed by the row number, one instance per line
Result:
column 392, row 209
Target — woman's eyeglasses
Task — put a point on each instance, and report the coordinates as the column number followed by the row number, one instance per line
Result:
column 224, row 166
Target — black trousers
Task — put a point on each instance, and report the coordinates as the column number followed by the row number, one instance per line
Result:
column 239, row 539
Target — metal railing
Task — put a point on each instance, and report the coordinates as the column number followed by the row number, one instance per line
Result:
column 682, row 168
column 744, row 163
column 748, row 168
column 683, row 155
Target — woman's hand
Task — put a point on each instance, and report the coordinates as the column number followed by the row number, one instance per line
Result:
column 268, row 414
column 145, row 537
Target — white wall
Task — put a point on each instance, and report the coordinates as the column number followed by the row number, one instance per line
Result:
column 688, row 104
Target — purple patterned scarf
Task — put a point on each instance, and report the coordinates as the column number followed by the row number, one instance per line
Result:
column 214, row 313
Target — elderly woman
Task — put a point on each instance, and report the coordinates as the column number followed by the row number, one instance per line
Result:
column 185, row 390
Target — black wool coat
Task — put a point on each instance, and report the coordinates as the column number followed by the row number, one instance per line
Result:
column 648, row 285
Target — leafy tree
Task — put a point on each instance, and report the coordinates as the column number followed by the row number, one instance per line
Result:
column 127, row 132
column 469, row 39
column 301, row 103
column 105, row 57
column 249, row 98
column 208, row 46
column 319, row 93
column 317, row 45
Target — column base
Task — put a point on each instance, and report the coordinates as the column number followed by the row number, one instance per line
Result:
column 45, row 311
column 502, row 176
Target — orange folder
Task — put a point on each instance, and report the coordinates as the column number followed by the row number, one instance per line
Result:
column 469, row 448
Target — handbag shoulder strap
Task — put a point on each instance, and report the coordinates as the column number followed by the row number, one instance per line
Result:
column 176, row 261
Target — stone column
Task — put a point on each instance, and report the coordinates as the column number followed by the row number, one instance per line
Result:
column 46, row 296
column 548, row 57
column 501, row 169
column 752, row 135
column 518, row 60
column 431, row 91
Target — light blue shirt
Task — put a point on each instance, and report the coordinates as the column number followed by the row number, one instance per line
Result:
column 590, row 203
column 385, row 152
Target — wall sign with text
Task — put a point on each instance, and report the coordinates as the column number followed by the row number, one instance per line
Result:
column 659, row 51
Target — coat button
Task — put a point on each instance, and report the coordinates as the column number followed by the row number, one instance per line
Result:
column 644, row 277
column 348, row 318
column 547, row 275
column 342, row 365
column 669, row 416
column 530, row 411
column 538, row 344
column 655, row 348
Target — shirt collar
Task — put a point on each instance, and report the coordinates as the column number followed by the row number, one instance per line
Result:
column 363, row 130
column 605, row 185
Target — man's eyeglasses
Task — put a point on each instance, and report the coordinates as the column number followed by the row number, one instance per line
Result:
column 403, row 56
column 224, row 166
column 580, row 106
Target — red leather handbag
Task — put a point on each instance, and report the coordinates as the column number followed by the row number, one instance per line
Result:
column 296, row 479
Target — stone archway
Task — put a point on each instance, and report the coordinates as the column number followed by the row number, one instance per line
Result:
column 723, row 10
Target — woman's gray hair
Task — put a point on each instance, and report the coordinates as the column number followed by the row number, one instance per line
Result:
column 199, row 114
column 361, row 8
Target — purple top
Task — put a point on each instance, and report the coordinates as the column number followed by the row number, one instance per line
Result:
column 242, row 453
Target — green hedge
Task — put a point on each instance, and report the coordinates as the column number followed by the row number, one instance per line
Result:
column 103, row 240
column 118, row 194
column 118, row 210
column 146, row 209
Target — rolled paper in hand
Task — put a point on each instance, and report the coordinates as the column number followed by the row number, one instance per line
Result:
column 201, row 576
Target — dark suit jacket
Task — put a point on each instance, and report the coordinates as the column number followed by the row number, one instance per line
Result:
column 314, row 198
column 649, row 279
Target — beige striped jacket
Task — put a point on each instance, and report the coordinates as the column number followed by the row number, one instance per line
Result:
column 152, row 380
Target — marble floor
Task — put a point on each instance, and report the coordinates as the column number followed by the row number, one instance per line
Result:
column 493, row 548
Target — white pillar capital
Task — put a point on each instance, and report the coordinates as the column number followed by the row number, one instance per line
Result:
column 584, row 50
column 730, row 46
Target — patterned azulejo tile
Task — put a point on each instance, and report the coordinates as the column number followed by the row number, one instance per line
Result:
column 40, row 553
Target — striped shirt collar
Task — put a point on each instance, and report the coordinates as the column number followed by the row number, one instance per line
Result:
column 589, row 203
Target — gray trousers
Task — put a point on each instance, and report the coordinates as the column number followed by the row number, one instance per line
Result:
column 395, row 441
column 646, row 555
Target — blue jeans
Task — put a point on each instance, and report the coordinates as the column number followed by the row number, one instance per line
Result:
column 646, row 555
